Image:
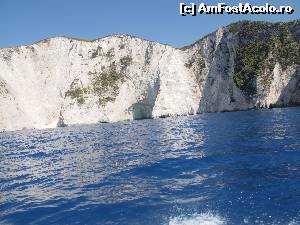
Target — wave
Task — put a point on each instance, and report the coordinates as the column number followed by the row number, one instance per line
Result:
column 198, row 219
column 295, row 222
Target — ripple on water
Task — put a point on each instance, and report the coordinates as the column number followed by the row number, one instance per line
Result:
column 244, row 165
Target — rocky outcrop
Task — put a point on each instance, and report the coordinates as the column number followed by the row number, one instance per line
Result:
column 245, row 65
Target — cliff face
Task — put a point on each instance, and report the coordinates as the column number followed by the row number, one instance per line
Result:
column 242, row 66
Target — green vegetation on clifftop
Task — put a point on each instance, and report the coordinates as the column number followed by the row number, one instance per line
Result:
column 260, row 47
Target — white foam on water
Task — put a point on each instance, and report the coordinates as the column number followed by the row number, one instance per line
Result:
column 294, row 222
column 198, row 219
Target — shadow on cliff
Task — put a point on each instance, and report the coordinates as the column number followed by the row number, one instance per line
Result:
column 143, row 109
column 219, row 93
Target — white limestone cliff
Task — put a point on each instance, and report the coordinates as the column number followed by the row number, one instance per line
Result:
column 122, row 77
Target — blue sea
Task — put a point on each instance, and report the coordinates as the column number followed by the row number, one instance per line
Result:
column 217, row 168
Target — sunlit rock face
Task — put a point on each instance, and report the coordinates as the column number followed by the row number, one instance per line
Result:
column 245, row 65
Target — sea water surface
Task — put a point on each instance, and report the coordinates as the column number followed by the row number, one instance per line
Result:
column 219, row 168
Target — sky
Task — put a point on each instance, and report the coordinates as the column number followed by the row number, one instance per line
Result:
column 28, row 21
